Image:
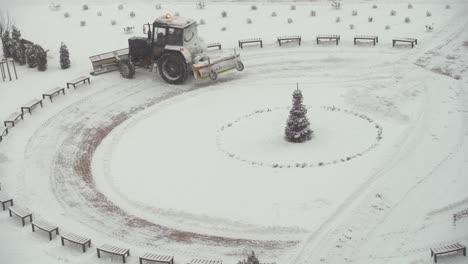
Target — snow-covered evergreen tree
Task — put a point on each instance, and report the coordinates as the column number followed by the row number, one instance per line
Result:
column 15, row 33
column 31, row 56
column 6, row 44
column 41, row 58
column 20, row 52
column 252, row 259
column 64, row 56
column 298, row 126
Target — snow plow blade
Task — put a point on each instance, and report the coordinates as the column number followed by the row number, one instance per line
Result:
column 215, row 65
column 107, row 62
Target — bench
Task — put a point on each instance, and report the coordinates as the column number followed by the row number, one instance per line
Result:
column 442, row 250
column 205, row 261
column 157, row 258
column 29, row 106
column 51, row 93
column 329, row 37
column 12, row 118
column 252, row 40
column 3, row 134
column 5, row 199
column 289, row 39
column 413, row 41
column 81, row 79
column 76, row 239
column 374, row 39
column 21, row 213
column 45, row 226
column 214, row 45
column 123, row 252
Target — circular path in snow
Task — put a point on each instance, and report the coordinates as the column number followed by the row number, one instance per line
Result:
column 340, row 135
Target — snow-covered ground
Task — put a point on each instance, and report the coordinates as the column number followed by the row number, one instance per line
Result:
column 201, row 170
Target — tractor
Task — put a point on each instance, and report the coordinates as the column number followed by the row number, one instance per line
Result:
column 172, row 46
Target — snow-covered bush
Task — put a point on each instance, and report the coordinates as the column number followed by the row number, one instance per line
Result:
column 428, row 13
column 249, row 21
column 313, row 13
column 338, row 19
column 336, row 4
column 274, row 14
column 393, row 13
column 224, row 14
column 82, row 23
column 113, row 22
column 223, row 29
column 120, row 7
column 410, row 6
column 370, row 19
column 158, row 6
column 298, row 126
column 387, row 27
column 66, row 14
column 202, row 21
column 374, row 6
column 293, row 7
column 41, row 58
column 99, row 13
column 200, row 4
column 351, row 26
column 64, row 56
column 290, row 20
column 132, row 14
column 253, row 7
column 354, row 13
column 407, row 20
column 85, row 7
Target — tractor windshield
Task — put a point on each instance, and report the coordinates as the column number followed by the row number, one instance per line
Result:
column 174, row 36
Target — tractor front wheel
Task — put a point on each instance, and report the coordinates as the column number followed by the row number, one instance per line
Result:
column 173, row 68
column 127, row 69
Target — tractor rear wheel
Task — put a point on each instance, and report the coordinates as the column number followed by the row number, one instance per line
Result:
column 127, row 69
column 172, row 68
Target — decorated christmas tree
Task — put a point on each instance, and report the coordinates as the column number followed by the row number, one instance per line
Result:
column 298, row 126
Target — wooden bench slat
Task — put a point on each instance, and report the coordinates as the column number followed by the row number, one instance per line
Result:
column 44, row 225
column 75, row 238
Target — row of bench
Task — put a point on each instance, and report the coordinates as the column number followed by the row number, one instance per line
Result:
column 16, row 116
column 84, row 242
column 319, row 38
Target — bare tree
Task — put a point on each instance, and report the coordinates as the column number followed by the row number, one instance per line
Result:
column 6, row 22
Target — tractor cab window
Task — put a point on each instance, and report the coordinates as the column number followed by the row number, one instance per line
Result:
column 160, row 35
column 174, row 36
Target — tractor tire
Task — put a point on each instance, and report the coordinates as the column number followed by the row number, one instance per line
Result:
column 172, row 68
column 239, row 66
column 127, row 69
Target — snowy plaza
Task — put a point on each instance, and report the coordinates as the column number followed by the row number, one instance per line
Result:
column 201, row 169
